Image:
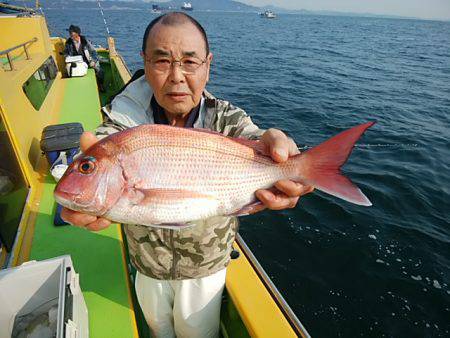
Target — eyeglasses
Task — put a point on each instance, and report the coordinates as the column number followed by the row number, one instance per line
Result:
column 188, row 65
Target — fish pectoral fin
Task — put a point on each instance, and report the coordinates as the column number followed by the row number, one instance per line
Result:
column 249, row 209
column 135, row 196
column 169, row 195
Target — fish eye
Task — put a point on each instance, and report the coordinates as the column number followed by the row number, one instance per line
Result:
column 86, row 166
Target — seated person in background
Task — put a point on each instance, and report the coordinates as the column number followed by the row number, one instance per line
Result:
column 77, row 44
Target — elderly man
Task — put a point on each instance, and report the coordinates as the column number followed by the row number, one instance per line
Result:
column 77, row 44
column 181, row 273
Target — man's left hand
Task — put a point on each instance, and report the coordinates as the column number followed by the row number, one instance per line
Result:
column 287, row 193
column 92, row 64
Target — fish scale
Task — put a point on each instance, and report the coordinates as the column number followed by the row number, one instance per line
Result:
column 229, row 185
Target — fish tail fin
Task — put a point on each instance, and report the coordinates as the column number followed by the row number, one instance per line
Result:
column 320, row 166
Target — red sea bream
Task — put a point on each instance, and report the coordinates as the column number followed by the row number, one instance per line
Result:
column 162, row 175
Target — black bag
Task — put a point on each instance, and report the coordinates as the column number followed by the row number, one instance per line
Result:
column 61, row 137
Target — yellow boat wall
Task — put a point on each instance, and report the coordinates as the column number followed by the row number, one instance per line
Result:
column 121, row 74
column 23, row 122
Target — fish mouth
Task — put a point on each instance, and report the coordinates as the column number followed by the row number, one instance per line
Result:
column 72, row 202
column 65, row 199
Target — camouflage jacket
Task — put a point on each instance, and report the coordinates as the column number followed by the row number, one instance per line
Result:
column 192, row 252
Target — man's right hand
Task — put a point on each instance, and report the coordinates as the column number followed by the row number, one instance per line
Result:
column 79, row 219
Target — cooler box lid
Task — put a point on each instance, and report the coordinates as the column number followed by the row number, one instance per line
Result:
column 61, row 136
column 76, row 58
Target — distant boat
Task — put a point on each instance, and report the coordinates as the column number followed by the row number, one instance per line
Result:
column 187, row 6
column 156, row 9
column 268, row 14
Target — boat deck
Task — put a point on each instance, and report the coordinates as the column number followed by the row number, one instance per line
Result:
column 97, row 256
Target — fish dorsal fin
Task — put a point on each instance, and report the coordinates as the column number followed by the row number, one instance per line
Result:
column 207, row 131
column 258, row 146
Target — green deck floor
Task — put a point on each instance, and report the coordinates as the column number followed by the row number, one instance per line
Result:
column 97, row 256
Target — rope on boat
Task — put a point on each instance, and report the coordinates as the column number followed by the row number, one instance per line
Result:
column 103, row 16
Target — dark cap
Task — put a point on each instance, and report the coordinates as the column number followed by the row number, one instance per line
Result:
column 74, row 29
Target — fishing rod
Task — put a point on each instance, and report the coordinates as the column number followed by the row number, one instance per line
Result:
column 388, row 145
column 400, row 146
column 103, row 16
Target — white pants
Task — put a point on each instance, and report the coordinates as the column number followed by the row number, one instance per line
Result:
column 183, row 308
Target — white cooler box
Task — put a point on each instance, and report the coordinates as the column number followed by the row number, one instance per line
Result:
column 75, row 66
column 42, row 299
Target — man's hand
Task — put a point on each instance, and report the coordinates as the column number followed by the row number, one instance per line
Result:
column 79, row 219
column 92, row 64
column 286, row 195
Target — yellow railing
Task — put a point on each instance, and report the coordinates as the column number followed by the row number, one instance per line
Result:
column 9, row 50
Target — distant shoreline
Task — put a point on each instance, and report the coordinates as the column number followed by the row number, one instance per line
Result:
column 304, row 13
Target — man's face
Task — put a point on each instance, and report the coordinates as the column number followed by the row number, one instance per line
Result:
column 75, row 36
column 176, row 92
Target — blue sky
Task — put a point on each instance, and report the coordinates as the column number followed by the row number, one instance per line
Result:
column 426, row 9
